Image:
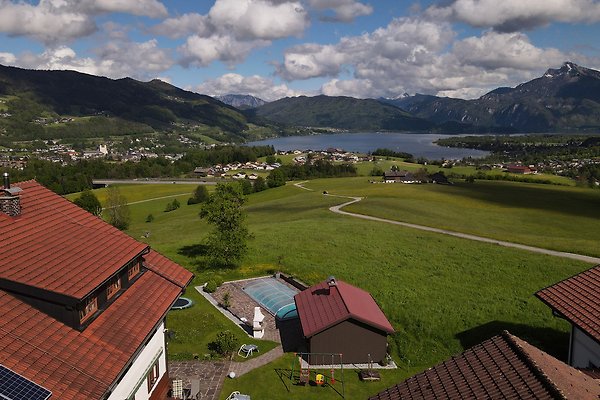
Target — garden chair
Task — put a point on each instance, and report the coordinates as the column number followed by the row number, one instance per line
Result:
column 238, row 396
column 246, row 350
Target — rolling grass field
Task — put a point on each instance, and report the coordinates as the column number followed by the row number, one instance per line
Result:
column 547, row 216
column 441, row 294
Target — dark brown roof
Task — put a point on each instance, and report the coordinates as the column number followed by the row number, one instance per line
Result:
column 57, row 246
column 320, row 307
column 503, row 367
column 578, row 300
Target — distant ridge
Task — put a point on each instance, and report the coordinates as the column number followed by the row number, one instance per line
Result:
column 241, row 101
column 341, row 112
column 563, row 99
column 112, row 106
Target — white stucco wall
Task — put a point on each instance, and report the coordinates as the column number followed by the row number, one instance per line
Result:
column 133, row 385
column 585, row 352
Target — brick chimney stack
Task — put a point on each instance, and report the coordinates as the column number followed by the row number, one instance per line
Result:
column 10, row 202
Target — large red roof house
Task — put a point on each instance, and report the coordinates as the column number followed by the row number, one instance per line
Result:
column 339, row 318
column 577, row 299
column 82, row 305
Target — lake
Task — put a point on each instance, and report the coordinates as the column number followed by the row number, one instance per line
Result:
column 417, row 144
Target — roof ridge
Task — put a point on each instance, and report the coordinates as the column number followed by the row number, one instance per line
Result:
column 341, row 296
column 58, row 357
column 531, row 363
column 151, row 268
column 592, row 270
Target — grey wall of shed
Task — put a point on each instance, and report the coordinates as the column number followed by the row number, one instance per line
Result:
column 353, row 339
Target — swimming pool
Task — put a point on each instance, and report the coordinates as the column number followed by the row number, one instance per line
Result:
column 273, row 295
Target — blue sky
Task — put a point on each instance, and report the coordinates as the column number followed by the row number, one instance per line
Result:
column 278, row 48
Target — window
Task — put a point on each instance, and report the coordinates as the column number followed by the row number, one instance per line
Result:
column 133, row 271
column 152, row 376
column 89, row 307
column 113, row 287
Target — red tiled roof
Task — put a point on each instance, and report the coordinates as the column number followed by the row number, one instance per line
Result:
column 161, row 265
column 77, row 365
column 320, row 307
column 503, row 367
column 578, row 300
column 56, row 246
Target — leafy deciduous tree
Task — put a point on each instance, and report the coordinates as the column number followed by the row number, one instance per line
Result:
column 200, row 195
column 117, row 209
column 89, row 202
column 227, row 242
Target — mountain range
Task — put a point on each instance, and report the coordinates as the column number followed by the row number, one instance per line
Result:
column 241, row 101
column 30, row 98
column 341, row 112
column 34, row 103
column 563, row 99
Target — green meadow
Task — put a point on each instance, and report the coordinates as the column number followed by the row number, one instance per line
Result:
column 442, row 294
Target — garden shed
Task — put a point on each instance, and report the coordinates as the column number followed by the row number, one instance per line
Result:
column 337, row 317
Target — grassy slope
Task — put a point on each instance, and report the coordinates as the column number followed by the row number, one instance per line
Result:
column 548, row 216
column 442, row 294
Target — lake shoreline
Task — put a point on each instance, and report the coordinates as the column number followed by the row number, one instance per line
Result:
column 417, row 144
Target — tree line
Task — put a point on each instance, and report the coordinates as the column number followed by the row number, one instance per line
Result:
column 78, row 176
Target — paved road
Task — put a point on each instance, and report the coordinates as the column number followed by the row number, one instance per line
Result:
column 338, row 210
column 148, row 182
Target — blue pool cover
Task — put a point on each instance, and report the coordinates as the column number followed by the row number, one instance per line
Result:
column 273, row 295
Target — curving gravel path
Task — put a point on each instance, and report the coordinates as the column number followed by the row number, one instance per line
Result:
column 338, row 210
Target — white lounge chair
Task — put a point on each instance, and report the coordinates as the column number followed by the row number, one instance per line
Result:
column 246, row 350
column 238, row 396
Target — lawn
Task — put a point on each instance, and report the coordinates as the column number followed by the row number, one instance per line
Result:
column 441, row 294
column 273, row 382
column 140, row 192
column 547, row 216
column 365, row 168
column 195, row 327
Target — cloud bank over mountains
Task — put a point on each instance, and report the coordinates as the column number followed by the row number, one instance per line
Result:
column 460, row 48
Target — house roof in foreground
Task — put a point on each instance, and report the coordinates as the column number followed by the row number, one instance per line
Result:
column 77, row 364
column 52, row 234
column 503, row 367
column 578, row 300
column 322, row 306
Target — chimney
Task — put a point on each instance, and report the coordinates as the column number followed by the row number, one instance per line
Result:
column 331, row 281
column 10, row 202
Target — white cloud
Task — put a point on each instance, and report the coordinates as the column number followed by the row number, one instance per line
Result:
column 201, row 51
column 515, row 15
column 59, row 21
column 359, row 88
column 115, row 60
column 48, row 22
column 183, row 25
column 233, row 28
column 7, row 58
column 148, row 8
column 254, row 85
column 505, row 50
column 344, row 10
column 403, row 41
column 415, row 55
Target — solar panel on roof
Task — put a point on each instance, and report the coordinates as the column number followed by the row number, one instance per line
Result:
column 16, row 387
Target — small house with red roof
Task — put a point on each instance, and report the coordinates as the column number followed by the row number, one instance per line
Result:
column 82, row 305
column 577, row 299
column 337, row 317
